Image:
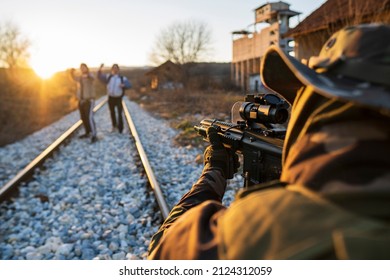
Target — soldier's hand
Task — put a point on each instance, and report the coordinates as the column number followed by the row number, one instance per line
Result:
column 217, row 156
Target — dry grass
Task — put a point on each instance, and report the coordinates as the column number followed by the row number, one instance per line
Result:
column 186, row 108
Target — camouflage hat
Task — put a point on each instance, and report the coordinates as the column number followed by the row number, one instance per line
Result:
column 353, row 65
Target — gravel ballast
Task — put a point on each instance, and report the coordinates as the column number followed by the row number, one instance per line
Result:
column 91, row 200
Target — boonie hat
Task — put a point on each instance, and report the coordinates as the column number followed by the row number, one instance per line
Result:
column 353, row 65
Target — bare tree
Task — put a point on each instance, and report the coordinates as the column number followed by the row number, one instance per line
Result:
column 14, row 47
column 182, row 42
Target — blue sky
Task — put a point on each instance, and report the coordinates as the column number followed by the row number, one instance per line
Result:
column 65, row 33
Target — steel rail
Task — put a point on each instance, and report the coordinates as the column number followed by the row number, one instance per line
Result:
column 26, row 173
column 148, row 169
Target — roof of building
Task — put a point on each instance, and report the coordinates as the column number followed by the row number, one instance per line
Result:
column 268, row 3
column 166, row 66
column 334, row 12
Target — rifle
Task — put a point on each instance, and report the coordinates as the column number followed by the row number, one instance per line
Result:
column 256, row 133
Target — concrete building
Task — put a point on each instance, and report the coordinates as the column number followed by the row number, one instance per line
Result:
column 249, row 46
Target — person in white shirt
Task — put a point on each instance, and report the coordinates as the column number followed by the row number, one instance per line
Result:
column 116, row 86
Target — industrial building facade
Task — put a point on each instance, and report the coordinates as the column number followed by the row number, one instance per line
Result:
column 250, row 46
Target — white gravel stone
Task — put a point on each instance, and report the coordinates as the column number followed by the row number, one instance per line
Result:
column 97, row 205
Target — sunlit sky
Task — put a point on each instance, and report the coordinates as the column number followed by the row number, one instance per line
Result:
column 65, row 33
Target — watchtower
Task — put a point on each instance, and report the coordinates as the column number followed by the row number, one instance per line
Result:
column 270, row 23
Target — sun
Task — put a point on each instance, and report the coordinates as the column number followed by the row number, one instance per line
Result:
column 44, row 71
column 44, row 65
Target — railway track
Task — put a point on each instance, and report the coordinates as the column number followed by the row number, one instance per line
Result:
column 27, row 173
column 145, row 162
column 91, row 201
column 32, row 177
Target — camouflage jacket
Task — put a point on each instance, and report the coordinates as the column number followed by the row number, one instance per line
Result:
column 271, row 221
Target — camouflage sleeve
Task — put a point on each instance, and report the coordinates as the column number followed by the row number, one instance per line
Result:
column 207, row 188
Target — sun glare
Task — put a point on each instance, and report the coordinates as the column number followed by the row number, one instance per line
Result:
column 44, row 71
column 44, row 65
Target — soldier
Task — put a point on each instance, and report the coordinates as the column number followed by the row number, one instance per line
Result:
column 333, row 197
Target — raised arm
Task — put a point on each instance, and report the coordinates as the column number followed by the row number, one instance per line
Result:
column 73, row 76
column 101, row 77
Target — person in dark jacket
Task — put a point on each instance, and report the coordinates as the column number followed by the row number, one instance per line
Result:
column 116, row 86
column 332, row 200
column 86, row 96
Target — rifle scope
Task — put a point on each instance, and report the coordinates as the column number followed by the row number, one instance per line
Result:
column 260, row 113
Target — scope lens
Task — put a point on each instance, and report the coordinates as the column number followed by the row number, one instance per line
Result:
column 266, row 114
column 280, row 116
